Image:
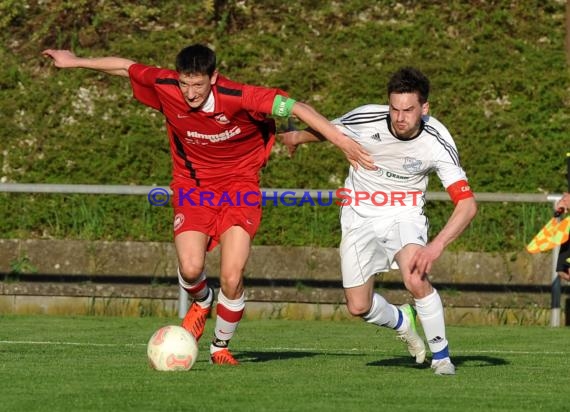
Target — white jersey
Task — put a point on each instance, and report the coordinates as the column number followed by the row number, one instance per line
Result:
column 398, row 187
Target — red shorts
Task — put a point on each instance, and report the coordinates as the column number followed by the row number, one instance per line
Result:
column 215, row 208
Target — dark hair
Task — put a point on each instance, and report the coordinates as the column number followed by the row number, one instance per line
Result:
column 409, row 80
column 196, row 59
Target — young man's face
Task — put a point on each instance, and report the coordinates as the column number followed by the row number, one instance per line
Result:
column 196, row 88
column 406, row 112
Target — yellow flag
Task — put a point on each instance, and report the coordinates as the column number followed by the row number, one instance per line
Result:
column 554, row 233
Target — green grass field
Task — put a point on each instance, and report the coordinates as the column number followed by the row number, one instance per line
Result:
column 99, row 364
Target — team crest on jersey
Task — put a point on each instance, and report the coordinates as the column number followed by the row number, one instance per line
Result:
column 222, row 119
column 178, row 221
column 412, row 165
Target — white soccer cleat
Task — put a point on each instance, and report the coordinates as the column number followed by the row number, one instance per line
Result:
column 443, row 367
column 409, row 335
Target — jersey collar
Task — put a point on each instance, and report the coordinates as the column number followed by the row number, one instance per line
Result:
column 210, row 104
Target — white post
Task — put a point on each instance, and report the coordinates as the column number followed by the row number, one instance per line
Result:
column 556, row 291
column 182, row 302
column 556, row 287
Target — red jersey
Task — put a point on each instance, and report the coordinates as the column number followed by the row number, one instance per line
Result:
column 231, row 143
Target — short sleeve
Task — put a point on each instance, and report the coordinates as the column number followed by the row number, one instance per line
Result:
column 143, row 79
column 260, row 99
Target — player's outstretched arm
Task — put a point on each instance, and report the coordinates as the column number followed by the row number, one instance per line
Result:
column 464, row 212
column 65, row 59
column 294, row 138
column 355, row 154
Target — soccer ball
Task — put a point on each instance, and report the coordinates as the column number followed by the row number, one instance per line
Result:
column 172, row 348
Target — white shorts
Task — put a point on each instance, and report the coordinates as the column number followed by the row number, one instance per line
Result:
column 368, row 245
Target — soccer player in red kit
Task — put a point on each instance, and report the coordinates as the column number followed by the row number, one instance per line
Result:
column 220, row 138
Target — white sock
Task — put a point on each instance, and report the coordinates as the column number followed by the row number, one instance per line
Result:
column 228, row 314
column 382, row 313
column 198, row 291
column 430, row 313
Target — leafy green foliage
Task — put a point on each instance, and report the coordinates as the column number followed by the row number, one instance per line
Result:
column 499, row 82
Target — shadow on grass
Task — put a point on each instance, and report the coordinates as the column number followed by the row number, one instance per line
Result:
column 244, row 356
column 399, row 361
column 459, row 361
column 480, row 361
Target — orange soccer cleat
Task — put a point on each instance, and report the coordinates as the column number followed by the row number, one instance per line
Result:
column 223, row 357
column 195, row 320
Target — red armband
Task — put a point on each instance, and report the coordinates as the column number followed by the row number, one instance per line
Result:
column 459, row 190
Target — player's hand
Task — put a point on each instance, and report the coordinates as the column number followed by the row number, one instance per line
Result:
column 61, row 58
column 290, row 140
column 356, row 155
column 565, row 275
column 422, row 261
column 564, row 203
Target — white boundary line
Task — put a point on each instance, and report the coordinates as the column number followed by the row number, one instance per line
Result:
column 287, row 349
column 22, row 342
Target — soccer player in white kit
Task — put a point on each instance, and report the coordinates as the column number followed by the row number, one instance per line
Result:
column 382, row 217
